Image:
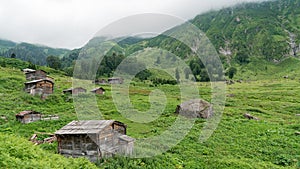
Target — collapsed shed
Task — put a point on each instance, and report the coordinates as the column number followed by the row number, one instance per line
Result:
column 94, row 139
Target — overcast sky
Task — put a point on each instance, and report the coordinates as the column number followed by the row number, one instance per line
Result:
column 71, row 23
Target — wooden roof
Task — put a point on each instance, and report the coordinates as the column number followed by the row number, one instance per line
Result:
column 23, row 113
column 85, row 127
column 40, row 80
column 126, row 138
column 99, row 88
column 35, row 71
column 28, row 70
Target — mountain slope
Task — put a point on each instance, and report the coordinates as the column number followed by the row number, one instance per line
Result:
column 5, row 45
column 36, row 54
column 268, row 30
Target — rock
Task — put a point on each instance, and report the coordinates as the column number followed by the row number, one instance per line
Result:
column 297, row 114
column 286, row 77
column 250, row 117
column 297, row 133
column 196, row 108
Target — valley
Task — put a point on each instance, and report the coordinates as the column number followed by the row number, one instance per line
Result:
column 258, row 44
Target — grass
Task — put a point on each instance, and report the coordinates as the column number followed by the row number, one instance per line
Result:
column 259, row 69
column 236, row 143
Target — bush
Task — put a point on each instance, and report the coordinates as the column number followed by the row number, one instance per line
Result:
column 17, row 152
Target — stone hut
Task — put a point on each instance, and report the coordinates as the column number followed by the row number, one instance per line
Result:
column 196, row 108
column 94, row 139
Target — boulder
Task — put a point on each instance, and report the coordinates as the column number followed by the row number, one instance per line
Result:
column 196, row 108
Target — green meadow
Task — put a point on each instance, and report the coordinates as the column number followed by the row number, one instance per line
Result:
column 270, row 142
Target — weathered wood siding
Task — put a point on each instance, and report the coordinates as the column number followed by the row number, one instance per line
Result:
column 105, row 140
column 119, row 127
column 78, row 146
column 46, row 86
column 126, row 147
column 42, row 87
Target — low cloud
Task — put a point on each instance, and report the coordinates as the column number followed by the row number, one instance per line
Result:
column 71, row 23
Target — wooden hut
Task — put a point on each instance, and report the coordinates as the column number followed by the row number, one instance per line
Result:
column 28, row 116
column 76, row 90
column 100, row 81
column 99, row 91
column 42, row 87
column 115, row 80
column 196, row 108
column 94, row 139
column 36, row 75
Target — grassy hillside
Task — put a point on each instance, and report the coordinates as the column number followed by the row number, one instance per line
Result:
column 259, row 69
column 270, row 142
column 16, row 150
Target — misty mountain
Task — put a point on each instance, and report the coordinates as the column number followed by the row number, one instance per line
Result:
column 268, row 30
column 36, row 54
